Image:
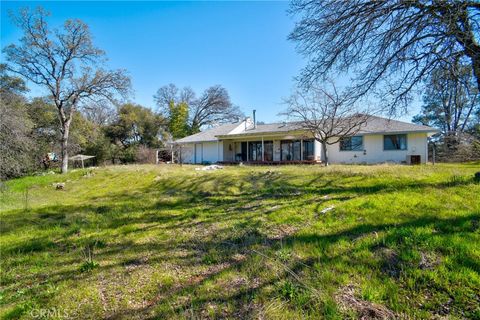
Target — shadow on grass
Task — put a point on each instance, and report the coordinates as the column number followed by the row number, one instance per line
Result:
column 252, row 243
column 216, row 226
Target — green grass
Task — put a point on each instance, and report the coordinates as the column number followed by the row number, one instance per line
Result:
column 135, row 242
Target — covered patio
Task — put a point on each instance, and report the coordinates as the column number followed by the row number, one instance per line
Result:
column 271, row 150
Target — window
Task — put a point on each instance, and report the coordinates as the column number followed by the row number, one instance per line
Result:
column 290, row 150
column 395, row 142
column 308, row 150
column 268, row 150
column 255, row 151
column 351, row 143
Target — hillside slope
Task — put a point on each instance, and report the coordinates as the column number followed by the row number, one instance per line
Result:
column 136, row 242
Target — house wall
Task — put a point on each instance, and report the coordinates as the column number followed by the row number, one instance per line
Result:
column 202, row 152
column 229, row 150
column 374, row 153
column 372, row 144
column 187, row 153
column 212, row 152
column 317, row 150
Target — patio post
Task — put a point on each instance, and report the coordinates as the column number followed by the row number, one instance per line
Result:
column 301, row 149
column 263, row 150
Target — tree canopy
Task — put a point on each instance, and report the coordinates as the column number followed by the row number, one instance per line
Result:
column 66, row 64
column 213, row 107
column 389, row 47
column 450, row 101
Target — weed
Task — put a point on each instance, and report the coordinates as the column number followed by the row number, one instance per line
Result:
column 288, row 290
column 88, row 266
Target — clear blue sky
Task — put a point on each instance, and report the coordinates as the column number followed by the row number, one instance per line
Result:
column 242, row 46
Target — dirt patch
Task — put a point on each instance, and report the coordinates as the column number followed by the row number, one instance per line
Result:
column 282, row 231
column 391, row 264
column 135, row 263
column 250, row 206
column 238, row 257
column 365, row 309
column 428, row 260
column 272, row 209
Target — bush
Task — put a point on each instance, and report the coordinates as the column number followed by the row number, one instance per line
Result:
column 17, row 155
column 146, row 155
column 476, row 177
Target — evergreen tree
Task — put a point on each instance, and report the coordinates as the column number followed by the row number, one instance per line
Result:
column 178, row 120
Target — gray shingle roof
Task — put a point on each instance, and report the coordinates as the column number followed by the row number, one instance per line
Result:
column 383, row 125
column 210, row 134
column 272, row 128
column 373, row 125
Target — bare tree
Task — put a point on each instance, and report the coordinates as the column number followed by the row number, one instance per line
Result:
column 328, row 116
column 390, row 46
column 172, row 94
column 213, row 107
column 66, row 63
column 100, row 112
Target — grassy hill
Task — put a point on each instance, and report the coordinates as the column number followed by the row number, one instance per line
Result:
column 244, row 242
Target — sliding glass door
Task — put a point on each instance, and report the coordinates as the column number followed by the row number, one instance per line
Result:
column 255, row 151
column 268, row 150
column 290, row 150
column 308, row 153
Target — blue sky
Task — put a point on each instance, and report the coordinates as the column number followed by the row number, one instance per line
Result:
column 242, row 46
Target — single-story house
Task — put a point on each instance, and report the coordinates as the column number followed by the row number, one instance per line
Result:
column 379, row 140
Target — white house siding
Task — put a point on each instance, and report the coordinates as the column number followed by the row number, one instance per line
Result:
column 188, row 153
column 374, row 153
column 228, row 150
column 211, row 152
column 372, row 144
column 202, row 152
column 317, row 150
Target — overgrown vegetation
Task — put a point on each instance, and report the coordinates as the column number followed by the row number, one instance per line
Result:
column 136, row 242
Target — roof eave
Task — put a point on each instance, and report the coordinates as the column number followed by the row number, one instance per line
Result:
column 433, row 131
column 194, row 141
column 252, row 134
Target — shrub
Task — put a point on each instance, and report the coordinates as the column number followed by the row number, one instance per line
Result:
column 476, row 177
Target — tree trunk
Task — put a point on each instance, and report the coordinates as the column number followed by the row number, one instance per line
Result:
column 325, row 153
column 64, row 145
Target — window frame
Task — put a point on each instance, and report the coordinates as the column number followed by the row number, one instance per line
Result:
column 351, row 150
column 291, row 148
column 396, row 134
column 304, row 153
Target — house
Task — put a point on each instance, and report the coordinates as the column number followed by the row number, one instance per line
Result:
column 379, row 140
